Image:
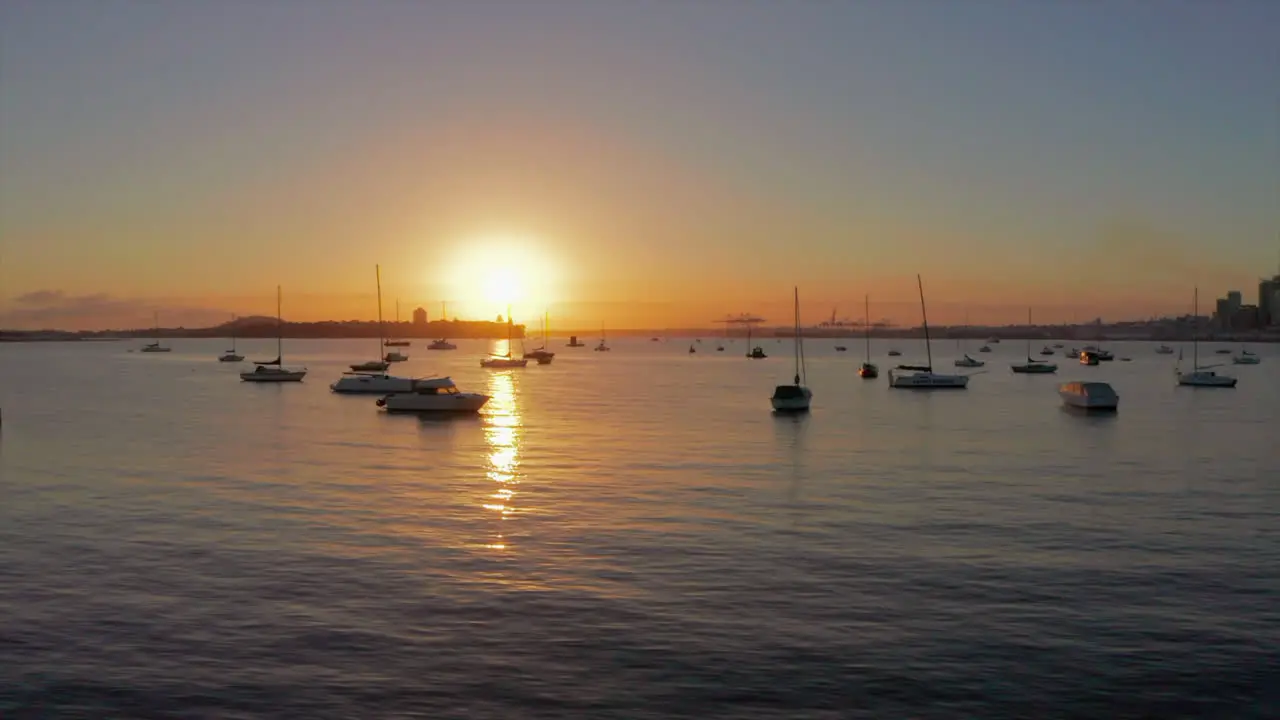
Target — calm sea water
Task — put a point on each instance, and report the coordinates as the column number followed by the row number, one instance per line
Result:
column 632, row 535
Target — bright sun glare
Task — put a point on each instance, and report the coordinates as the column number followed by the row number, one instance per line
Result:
column 492, row 273
column 502, row 286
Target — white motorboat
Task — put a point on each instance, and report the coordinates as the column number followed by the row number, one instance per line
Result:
column 1046, row 350
column 1102, row 355
column 542, row 355
column 1034, row 367
column 499, row 362
column 969, row 362
column 794, row 398
column 868, row 369
column 441, row 344
column 371, row 383
column 1097, row 396
column 922, row 377
column 395, row 356
column 433, row 395
column 1205, row 378
column 1246, row 358
column 1201, row 376
column 231, row 355
column 155, row 346
column 274, row 370
column 1164, row 350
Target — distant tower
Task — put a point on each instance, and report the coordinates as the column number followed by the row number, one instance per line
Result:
column 420, row 317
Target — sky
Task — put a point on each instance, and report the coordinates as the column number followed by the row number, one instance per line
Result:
column 637, row 163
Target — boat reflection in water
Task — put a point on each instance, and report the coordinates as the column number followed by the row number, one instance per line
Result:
column 502, row 435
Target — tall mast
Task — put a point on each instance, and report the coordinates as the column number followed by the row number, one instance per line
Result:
column 1195, row 330
column 279, row 331
column 796, row 344
column 925, row 317
column 377, row 274
column 866, row 300
column 1028, row 334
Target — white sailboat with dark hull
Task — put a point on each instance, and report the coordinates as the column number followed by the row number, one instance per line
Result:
column 1032, row 366
column 794, row 398
column 922, row 377
column 542, row 355
column 231, row 355
column 498, row 362
column 375, row 365
column 389, row 342
column 274, row 370
column 1201, row 376
column 868, row 370
column 154, row 346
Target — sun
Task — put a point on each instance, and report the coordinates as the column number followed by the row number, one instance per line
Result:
column 502, row 286
column 496, row 273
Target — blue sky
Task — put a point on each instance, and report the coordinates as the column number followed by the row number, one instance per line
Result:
column 684, row 155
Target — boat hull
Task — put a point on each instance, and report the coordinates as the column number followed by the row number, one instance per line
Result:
column 370, row 367
column 231, row 358
column 442, row 345
column 1206, row 379
column 927, row 381
column 155, row 349
column 1036, row 369
column 274, row 376
column 372, row 385
column 791, row 399
column 1093, row 396
column 1245, row 360
column 500, row 363
column 868, row 371
column 457, row 403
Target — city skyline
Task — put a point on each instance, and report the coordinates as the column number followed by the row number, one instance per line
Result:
column 632, row 164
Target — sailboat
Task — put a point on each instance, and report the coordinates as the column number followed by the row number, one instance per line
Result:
column 756, row 352
column 1245, row 357
column 507, row 360
column 231, row 355
column 794, row 398
column 967, row 361
column 1201, row 376
column 274, row 370
column 542, row 354
column 371, row 377
column 442, row 343
column 922, row 377
column 375, row 365
column 1033, row 367
column 155, row 346
column 602, row 347
column 868, row 370
column 397, row 343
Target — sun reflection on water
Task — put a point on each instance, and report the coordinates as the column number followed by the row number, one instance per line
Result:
column 502, row 435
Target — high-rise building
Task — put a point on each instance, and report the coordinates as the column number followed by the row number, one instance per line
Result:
column 1267, row 307
column 1234, row 301
column 420, row 317
column 1222, row 314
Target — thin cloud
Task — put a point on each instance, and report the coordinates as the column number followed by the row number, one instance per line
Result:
column 56, row 310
